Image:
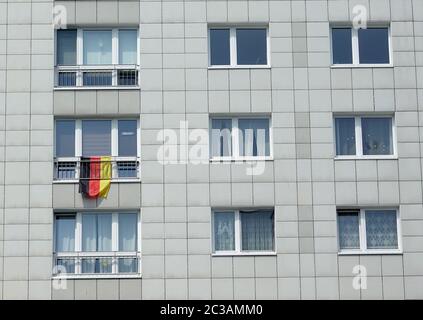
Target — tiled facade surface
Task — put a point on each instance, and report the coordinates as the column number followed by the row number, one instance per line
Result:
column 304, row 183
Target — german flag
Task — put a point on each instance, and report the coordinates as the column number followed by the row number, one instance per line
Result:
column 95, row 176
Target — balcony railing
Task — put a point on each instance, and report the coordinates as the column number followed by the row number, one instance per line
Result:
column 97, row 76
column 70, row 169
column 91, row 263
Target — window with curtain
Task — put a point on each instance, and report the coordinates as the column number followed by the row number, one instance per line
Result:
column 240, row 138
column 368, row 230
column 237, row 231
column 96, row 138
column 104, row 243
column 364, row 136
column 352, row 46
column 97, row 47
column 248, row 48
column 128, row 46
column 254, row 137
column 221, row 137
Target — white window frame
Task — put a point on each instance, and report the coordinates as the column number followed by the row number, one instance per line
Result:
column 238, row 235
column 114, row 147
column 362, row 233
column 233, row 47
column 113, row 67
column 114, row 254
column 355, row 48
column 235, row 139
column 358, row 137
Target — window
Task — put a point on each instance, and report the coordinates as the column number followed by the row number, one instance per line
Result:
column 118, row 138
column 243, row 231
column 97, row 57
column 368, row 230
column 97, row 243
column 365, row 136
column 369, row 46
column 238, row 47
column 240, row 138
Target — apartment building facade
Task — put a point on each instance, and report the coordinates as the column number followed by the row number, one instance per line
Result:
column 257, row 149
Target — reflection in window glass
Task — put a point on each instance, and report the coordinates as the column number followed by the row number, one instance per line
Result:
column 377, row 136
column 251, row 46
column 66, row 47
column 345, row 136
column 97, row 47
column 220, row 47
column 373, row 45
column 342, row 46
column 65, row 138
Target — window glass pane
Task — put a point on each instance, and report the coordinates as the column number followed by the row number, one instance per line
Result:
column 127, row 138
column 96, row 138
column 97, row 78
column 97, row 232
column 251, row 46
column 66, row 47
column 65, row 138
column 128, row 265
column 128, row 231
column 224, row 231
column 220, row 47
column 348, row 230
column 257, row 230
column 342, row 46
column 65, row 265
column 254, row 137
column 97, row 47
column 128, row 46
column 377, row 136
column 221, row 143
column 345, row 136
column 381, row 229
column 65, row 233
column 96, row 265
column 373, row 45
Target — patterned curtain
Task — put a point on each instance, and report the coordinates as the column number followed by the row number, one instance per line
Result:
column 224, row 231
column 381, row 229
column 348, row 229
column 257, row 230
column 377, row 136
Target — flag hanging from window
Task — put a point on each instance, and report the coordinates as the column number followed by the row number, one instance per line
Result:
column 95, row 176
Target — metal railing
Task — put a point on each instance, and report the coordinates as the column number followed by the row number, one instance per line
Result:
column 85, row 263
column 68, row 169
column 97, row 76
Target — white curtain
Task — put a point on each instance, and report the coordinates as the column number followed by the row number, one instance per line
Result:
column 254, row 137
column 224, row 231
column 65, row 233
column 128, row 232
column 128, row 46
column 348, row 229
column 381, row 229
column 377, row 136
column 97, row 47
column 221, row 137
column 96, row 265
column 97, row 232
column 257, row 229
column 128, row 265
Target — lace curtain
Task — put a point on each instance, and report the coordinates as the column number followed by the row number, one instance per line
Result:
column 257, row 230
column 381, row 229
column 224, row 231
column 349, row 236
column 377, row 136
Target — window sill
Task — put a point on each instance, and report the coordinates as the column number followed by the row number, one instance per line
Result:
column 96, row 276
column 391, row 157
column 359, row 66
column 97, row 88
column 240, row 67
column 112, row 181
column 241, row 254
column 373, row 252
